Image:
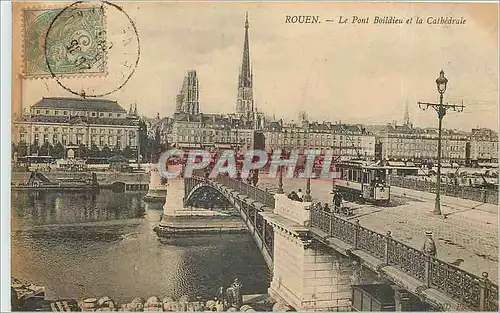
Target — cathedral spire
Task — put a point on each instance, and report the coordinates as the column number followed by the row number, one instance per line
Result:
column 245, row 95
column 245, row 79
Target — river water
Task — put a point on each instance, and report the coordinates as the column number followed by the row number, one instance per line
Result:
column 95, row 244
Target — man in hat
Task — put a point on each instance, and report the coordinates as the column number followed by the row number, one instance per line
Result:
column 429, row 247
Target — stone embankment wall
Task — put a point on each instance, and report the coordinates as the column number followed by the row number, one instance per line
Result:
column 103, row 178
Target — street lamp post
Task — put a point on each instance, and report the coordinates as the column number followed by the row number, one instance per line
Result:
column 307, row 196
column 280, row 181
column 441, row 83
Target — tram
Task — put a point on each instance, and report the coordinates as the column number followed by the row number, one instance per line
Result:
column 363, row 181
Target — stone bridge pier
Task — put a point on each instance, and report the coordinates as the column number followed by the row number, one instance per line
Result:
column 307, row 275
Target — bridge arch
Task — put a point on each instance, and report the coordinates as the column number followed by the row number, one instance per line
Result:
column 205, row 195
column 118, row 186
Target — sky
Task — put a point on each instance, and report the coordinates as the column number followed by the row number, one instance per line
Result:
column 354, row 73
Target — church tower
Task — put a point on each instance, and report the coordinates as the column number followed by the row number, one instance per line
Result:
column 244, row 103
column 187, row 101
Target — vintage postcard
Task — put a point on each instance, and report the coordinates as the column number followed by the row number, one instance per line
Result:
column 254, row 156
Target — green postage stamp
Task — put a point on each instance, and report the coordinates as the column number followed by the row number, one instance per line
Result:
column 60, row 42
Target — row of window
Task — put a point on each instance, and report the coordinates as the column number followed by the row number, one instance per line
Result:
column 78, row 139
column 79, row 130
column 75, row 113
column 354, row 151
column 418, row 146
column 403, row 136
column 212, row 133
column 318, row 136
column 486, row 155
column 212, row 139
column 324, row 143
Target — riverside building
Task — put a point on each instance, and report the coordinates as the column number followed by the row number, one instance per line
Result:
column 74, row 121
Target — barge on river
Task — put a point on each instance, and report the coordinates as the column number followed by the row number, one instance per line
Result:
column 39, row 182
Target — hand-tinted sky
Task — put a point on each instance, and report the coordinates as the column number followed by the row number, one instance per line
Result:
column 352, row 73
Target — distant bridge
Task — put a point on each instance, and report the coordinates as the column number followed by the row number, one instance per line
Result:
column 310, row 253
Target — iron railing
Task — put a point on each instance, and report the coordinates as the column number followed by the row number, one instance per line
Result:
column 250, row 191
column 464, row 192
column 478, row 293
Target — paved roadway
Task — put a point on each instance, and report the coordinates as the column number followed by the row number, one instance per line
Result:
column 468, row 237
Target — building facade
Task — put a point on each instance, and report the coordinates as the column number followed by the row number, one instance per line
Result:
column 407, row 143
column 351, row 141
column 72, row 121
column 483, row 145
column 211, row 130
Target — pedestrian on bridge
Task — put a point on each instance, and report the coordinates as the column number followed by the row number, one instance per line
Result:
column 293, row 196
column 300, row 194
column 326, row 208
column 337, row 201
column 429, row 247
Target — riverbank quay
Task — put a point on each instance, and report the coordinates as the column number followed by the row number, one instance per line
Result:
column 62, row 180
column 25, row 295
column 28, row 298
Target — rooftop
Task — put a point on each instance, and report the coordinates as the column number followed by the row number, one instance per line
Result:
column 80, row 104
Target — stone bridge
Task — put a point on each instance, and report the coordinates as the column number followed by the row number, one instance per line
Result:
column 316, row 257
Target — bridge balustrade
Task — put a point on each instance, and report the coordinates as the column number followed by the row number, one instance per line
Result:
column 269, row 239
column 475, row 292
column 455, row 282
column 371, row 242
column 253, row 192
column 342, row 229
column 464, row 192
column 321, row 221
column 409, row 260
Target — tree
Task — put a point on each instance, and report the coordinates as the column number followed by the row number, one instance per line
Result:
column 34, row 148
column 22, row 149
column 105, row 152
column 46, row 149
column 128, row 153
column 94, row 151
column 144, row 141
column 117, row 149
column 83, row 152
column 59, row 151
